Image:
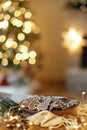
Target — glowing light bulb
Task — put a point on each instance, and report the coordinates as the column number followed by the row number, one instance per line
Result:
column 27, row 15
column 21, row 36
column 7, row 4
column 18, row 56
column 32, row 61
column 32, row 54
column 4, row 62
column 7, row 17
column 15, row 61
column 9, row 42
column 22, row 48
column 25, row 55
column 2, row 38
column 17, row 13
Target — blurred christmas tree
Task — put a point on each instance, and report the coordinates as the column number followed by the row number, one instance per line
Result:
column 17, row 32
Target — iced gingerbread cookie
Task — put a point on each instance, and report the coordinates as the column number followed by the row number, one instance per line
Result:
column 55, row 104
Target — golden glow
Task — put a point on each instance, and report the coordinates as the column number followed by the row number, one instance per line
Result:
column 4, row 47
column 27, row 27
column 14, row 45
column 36, row 30
column 4, row 24
column 9, row 42
column 22, row 10
column 32, row 61
column 18, row 56
column 32, row 54
column 72, row 40
column 17, row 13
column 25, row 55
column 16, row 22
column 1, row 16
column 22, row 48
column 7, row 17
column 27, row 15
column 15, row 61
column 26, row 43
column 15, row 26
column 21, row 36
column 4, row 62
column 7, row 4
column 2, row 38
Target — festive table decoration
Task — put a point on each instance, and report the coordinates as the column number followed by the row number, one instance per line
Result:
column 13, row 117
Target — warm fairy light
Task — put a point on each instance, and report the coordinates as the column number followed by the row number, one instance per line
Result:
column 2, row 38
column 22, row 48
column 27, row 27
column 25, row 55
column 7, row 4
column 30, row 123
column 21, row 36
column 22, row 10
column 4, row 62
column 15, row 61
column 27, row 15
column 18, row 125
column 14, row 45
column 17, row 13
column 32, row 54
column 9, row 42
column 32, row 61
column 36, row 30
column 4, row 24
column 7, row 17
column 72, row 40
column 16, row 22
column 26, row 43
column 22, row 106
column 18, row 56
column 4, row 47
column 1, row 16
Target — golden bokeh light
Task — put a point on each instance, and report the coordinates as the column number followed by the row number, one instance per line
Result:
column 9, row 42
column 18, row 56
column 2, row 38
column 14, row 45
column 22, row 48
column 4, row 62
column 32, row 54
column 28, row 15
column 21, row 36
column 7, row 4
column 22, row 10
column 6, row 17
column 25, row 55
column 32, row 61
column 16, row 62
column 4, row 24
column 72, row 40
column 36, row 30
column 27, row 27
column 17, row 13
column 4, row 47
column 27, row 44
column 1, row 16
